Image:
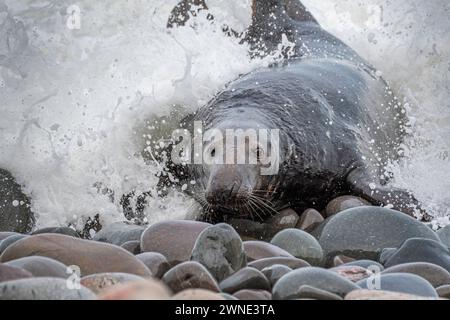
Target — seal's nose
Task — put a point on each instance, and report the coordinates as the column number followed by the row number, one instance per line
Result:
column 223, row 187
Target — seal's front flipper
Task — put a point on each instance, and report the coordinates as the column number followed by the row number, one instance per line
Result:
column 362, row 183
column 184, row 11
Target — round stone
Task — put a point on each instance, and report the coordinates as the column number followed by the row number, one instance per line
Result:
column 253, row 230
column 341, row 259
column 41, row 267
column 364, row 294
column 100, row 282
column 16, row 214
column 292, row 263
column 275, row 272
column 444, row 291
column 288, row 286
column 256, row 250
column 366, row 264
column 309, row 220
column 174, row 239
column 300, row 244
column 352, row 273
column 155, row 262
column 118, row 233
column 246, row 278
column 8, row 273
column 6, row 234
column 43, row 289
column 419, row 250
column 197, row 294
column 133, row 247
column 400, row 282
column 5, row 243
column 149, row 289
column 247, row 294
column 362, row 232
column 190, row 275
column 444, row 235
column 58, row 230
column 219, row 248
column 434, row 274
column 89, row 256
column 343, row 203
column 285, row 219
column 309, row 292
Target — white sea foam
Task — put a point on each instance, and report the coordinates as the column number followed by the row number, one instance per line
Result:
column 73, row 102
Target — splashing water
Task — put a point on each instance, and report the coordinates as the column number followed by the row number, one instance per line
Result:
column 75, row 97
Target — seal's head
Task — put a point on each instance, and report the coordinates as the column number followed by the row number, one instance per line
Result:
column 236, row 177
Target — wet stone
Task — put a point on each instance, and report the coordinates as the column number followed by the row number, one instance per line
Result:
column 444, row 291
column 43, row 289
column 309, row 220
column 155, row 262
column 434, row 274
column 275, row 272
column 352, row 273
column 286, row 218
column 219, row 248
column 58, row 230
column 364, row 294
column 197, row 294
column 100, row 282
column 292, row 263
column 309, row 292
column 134, row 247
column 418, row 250
column 363, row 232
column 366, row 264
column 256, row 250
column 5, row 243
column 90, row 256
column 300, row 244
column 118, row 233
column 41, row 266
column 247, row 294
column 246, row 278
column 444, row 235
column 343, row 203
column 403, row 283
column 341, row 259
column 8, row 273
column 253, row 230
column 150, row 289
column 288, row 286
column 190, row 275
column 161, row 237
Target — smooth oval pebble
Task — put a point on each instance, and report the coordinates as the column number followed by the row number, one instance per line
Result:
column 286, row 218
column 43, row 289
column 341, row 259
column 366, row 264
column 300, row 244
column 418, row 250
column 150, row 289
column 8, row 273
column 5, row 243
column 133, row 247
column 190, row 275
column 155, row 262
column 119, row 232
column 352, row 273
column 6, row 234
column 343, row 203
column 219, row 248
column 292, row 263
column 90, row 256
column 197, row 294
column 444, row 235
column 174, row 239
column 275, row 272
column 308, row 292
column 309, row 220
column 364, row 294
column 100, row 282
column 288, row 286
column 400, row 282
column 444, row 291
column 246, row 278
column 58, row 230
column 247, row 294
column 256, row 250
column 362, row 232
column 434, row 274
column 41, row 266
